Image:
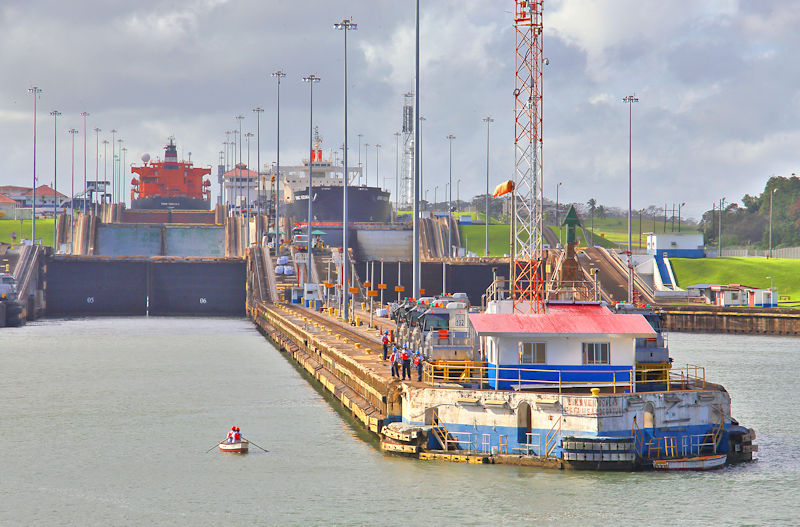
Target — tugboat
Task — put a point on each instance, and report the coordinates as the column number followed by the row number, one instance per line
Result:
column 170, row 184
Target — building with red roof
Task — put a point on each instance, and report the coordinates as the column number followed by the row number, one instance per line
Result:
column 575, row 344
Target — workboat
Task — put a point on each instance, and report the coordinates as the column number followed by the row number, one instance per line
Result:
column 691, row 463
column 237, row 447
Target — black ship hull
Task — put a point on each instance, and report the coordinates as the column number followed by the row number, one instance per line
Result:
column 365, row 204
column 171, row 202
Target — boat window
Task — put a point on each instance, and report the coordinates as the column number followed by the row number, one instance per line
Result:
column 532, row 353
column 596, row 352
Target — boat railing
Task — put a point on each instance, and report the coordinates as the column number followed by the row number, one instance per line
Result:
column 477, row 374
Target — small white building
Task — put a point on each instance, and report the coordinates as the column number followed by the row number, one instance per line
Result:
column 736, row 295
column 240, row 186
column 576, row 345
column 676, row 244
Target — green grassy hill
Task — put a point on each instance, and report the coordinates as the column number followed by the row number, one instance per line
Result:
column 745, row 271
column 474, row 236
column 44, row 230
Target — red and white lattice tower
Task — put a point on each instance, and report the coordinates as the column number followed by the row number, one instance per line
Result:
column 527, row 269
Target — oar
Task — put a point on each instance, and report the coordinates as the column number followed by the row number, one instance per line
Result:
column 255, row 445
column 213, row 447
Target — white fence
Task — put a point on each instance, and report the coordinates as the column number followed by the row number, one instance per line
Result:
column 784, row 252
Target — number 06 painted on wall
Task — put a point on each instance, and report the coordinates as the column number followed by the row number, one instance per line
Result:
column 203, row 300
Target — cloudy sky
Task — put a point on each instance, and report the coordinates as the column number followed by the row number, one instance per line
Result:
column 717, row 82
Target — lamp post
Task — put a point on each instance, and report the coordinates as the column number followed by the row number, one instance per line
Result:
column 558, row 226
column 377, row 165
column 72, row 132
column 450, row 138
column 248, row 135
column 630, row 99
column 458, row 195
column 113, row 139
column 119, row 181
column 238, row 171
column 396, row 172
column 345, row 26
column 770, row 220
column 258, row 111
column 96, row 167
column 311, row 80
column 55, row 114
column 84, row 115
column 680, row 205
column 35, row 90
column 121, row 175
column 366, row 164
column 278, row 75
column 422, row 119
column 488, row 121
column 359, row 157
column 435, row 190
column 719, row 237
column 105, row 166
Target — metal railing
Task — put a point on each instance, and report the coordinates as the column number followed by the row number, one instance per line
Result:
column 665, row 378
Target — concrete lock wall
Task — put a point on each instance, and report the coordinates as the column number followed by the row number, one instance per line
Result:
column 391, row 245
column 95, row 288
column 128, row 240
column 195, row 241
column 198, row 289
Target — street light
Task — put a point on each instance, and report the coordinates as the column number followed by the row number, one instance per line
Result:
column 72, row 132
column 345, row 26
column 719, row 237
column 84, row 115
column 248, row 135
column 450, row 200
column 359, row 158
column 258, row 111
column 113, row 179
column 278, row 75
column 396, row 172
column 55, row 114
column 377, row 165
column 96, row 167
column 558, row 226
column 435, row 190
column 458, row 195
column 237, row 170
column 630, row 99
column 488, row 121
column 311, row 80
column 770, row 220
column 679, row 215
column 105, row 166
column 366, row 164
column 35, row 90
column 121, row 175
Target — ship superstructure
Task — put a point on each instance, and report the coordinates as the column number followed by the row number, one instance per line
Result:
column 170, row 184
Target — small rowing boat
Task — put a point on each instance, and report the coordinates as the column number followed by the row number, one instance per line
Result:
column 691, row 463
column 237, row 447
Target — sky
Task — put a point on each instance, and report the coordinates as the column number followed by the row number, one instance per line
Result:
column 717, row 83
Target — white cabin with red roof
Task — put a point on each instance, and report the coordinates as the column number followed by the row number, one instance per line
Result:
column 569, row 344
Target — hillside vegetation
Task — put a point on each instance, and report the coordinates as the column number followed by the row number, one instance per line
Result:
column 746, row 271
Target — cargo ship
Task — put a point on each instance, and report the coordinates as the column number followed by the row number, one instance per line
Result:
column 366, row 203
column 170, row 184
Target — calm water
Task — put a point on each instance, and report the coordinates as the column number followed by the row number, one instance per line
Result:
column 106, row 422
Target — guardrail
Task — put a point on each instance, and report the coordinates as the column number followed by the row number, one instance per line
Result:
column 666, row 378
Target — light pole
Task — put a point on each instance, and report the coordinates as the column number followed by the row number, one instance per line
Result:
column 119, row 182
column 366, row 164
column 630, row 99
column 55, row 114
column 35, row 90
column 72, row 132
column 719, row 237
column 679, row 215
column 450, row 138
column 435, row 190
column 770, row 220
column 113, row 179
column 248, row 135
column 488, row 121
column 121, row 175
column 84, row 115
column 258, row 111
column 105, row 166
column 278, row 75
column 422, row 119
column 458, row 195
column 227, row 144
column 238, row 171
column 396, row 172
column 311, row 80
column 359, row 158
column 377, row 166
column 96, row 166
column 558, row 225
column 345, row 25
